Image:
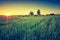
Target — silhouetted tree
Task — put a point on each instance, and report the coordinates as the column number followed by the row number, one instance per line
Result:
column 31, row 13
column 38, row 12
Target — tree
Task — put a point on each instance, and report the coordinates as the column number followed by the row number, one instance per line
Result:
column 31, row 13
column 38, row 12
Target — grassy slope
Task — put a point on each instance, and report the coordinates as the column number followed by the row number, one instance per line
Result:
column 31, row 28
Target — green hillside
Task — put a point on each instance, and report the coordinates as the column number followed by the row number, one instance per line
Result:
column 31, row 28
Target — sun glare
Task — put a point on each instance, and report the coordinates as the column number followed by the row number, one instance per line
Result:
column 7, row 14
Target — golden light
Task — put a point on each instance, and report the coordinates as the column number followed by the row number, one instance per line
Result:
column 7, row 14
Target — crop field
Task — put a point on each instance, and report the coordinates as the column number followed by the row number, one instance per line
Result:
column 30, row 28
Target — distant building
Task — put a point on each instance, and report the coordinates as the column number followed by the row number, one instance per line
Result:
column 51, row 13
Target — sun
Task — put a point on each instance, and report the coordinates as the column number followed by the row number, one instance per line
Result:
column 7, row 14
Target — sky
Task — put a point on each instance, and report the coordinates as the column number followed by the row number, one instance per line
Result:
column 23, row 7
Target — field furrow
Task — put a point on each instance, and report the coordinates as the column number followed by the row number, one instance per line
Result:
column 31, row 28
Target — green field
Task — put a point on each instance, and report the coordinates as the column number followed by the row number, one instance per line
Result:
column 31, row 28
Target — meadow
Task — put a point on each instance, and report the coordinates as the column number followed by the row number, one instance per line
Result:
column 30, row 28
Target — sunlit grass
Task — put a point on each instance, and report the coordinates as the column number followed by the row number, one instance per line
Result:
column 44, row 27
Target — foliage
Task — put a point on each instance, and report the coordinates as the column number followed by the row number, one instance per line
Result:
column 31, row 13
column 38, row 12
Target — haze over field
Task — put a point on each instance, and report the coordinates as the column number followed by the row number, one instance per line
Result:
column 23, row 7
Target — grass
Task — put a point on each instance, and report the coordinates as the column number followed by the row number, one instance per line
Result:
column 31, row 28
